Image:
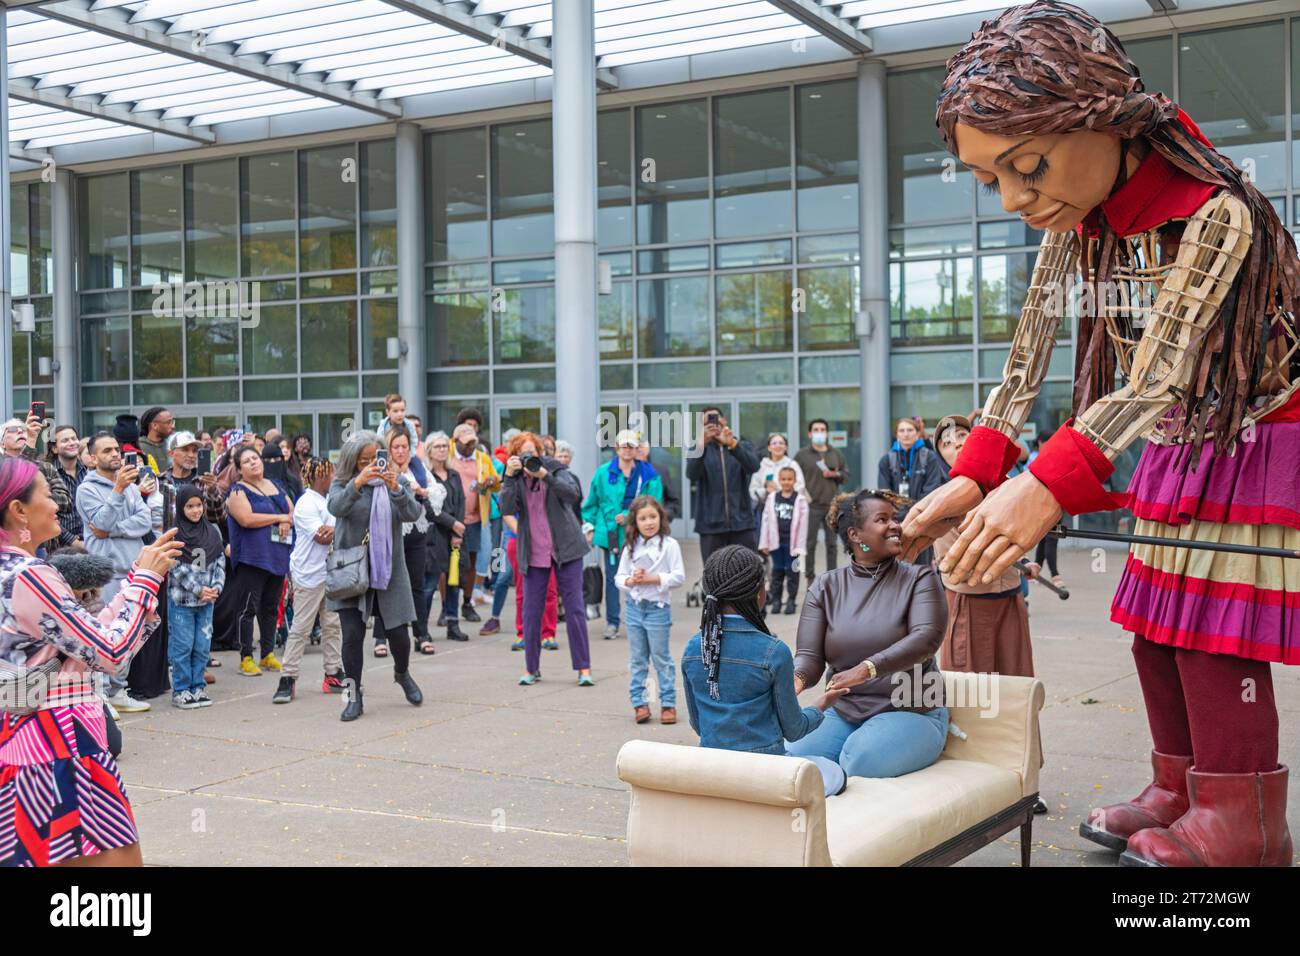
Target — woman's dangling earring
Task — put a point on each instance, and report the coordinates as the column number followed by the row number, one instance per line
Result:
column 866, row 548
column 25, row 536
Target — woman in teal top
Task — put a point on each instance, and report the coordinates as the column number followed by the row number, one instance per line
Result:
column 604, row 514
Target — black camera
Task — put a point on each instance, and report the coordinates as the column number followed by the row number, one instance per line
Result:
column 711, row 418
column 532, row 463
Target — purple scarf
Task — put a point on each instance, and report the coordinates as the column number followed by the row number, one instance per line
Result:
column 381, row 536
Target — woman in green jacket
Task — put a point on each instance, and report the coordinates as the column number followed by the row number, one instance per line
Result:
column 604, row 514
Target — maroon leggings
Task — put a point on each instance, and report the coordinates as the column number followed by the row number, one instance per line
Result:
column 1216, row 708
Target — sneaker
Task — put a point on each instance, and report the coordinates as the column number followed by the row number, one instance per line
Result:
column 480, row 597
column 611, row 631
column 248, row 667
column 201, row 698
column 284, row 692
column 517, row 645
column 127, row 704
column 491, row 626
column 467, row 613
column 112, row 711
column 184, row 700
column 333, row 683
column 270, row 662
column 550, row 644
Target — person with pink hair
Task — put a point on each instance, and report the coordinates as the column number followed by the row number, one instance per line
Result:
column 61, row 796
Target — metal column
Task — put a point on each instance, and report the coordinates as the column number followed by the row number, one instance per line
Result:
column 410, row 270
column 873, row 263
column 6, row 300
column 573, row 110
column 67, row 405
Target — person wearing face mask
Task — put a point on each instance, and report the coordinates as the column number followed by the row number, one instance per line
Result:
column 824, row 471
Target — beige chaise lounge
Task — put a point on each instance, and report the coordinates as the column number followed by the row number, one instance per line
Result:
column 695, row 806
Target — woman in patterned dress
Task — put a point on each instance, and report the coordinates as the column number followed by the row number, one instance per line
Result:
column 61, row 798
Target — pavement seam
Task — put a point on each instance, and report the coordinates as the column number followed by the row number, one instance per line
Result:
column 495, row 827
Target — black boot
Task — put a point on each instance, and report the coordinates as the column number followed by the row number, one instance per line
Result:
column 792, row 591
column 354, row 707
column 774, row 591
column 454, row 633
column 409, row 687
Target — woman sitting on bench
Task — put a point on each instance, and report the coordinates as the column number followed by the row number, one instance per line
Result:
column 877, row 624
column 750, row 704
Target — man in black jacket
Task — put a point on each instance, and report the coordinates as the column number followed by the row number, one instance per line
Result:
column 719, row 466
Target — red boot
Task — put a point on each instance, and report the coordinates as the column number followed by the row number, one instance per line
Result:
column 1236, row 819
column 1160, row 804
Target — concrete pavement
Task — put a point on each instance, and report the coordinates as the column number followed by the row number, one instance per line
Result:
column 487, row 772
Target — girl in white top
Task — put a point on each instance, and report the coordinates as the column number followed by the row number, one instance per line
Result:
column 649, row 568
column 766, row 479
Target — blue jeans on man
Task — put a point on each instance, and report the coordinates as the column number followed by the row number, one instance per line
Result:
column 189, row 644
column 610, row 569
column 648, row 624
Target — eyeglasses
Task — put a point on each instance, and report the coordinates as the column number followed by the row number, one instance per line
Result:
column 15, row 430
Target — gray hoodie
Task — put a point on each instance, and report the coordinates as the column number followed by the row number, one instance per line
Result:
column 125, row 516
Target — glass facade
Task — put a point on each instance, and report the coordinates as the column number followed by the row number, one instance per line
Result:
column 309, row 234
column 728, row 226
column 31, row 268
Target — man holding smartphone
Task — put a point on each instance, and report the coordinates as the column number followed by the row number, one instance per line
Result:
column 719, row 466
column 116, row 519
column 183, row 450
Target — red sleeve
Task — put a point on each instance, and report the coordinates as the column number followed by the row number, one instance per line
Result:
column 986, row 457
column 1073, row 469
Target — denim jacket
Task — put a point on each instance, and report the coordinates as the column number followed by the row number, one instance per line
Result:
column 758, row 709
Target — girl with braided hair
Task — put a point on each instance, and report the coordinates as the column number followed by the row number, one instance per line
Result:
column 749, row 704
column 876, row 625
column 1189, row 291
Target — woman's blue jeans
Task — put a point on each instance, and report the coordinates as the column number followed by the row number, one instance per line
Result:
column 886, row 745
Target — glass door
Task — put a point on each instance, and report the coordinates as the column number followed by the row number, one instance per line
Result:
column 535, row 417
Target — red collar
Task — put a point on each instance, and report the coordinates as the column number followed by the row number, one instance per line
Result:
column 1156, row 192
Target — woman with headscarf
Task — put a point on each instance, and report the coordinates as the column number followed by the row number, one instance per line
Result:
column 275, row 465
column 750, row 705
column 371, row 504
column 1044, row 106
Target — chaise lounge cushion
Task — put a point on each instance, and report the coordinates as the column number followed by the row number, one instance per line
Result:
column 888, row 821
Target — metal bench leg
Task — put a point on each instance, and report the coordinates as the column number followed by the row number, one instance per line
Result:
column 1026, row 837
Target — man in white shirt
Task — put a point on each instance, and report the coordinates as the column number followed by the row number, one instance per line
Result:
column 313, row 527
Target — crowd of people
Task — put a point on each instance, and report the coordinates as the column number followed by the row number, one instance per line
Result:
column 163, row 546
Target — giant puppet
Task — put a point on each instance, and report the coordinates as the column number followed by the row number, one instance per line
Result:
column 1191, row 286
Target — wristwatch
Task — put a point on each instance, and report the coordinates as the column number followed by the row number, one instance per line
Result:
column 871, row 669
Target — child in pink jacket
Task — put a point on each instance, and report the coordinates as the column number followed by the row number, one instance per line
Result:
column 782, row 536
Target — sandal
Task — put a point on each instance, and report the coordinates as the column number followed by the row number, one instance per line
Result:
column 381, row 650
column 213, row 662
column 426, row 647
column 1058, row 580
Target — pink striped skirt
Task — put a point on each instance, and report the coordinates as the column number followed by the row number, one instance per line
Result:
column 1224, row 603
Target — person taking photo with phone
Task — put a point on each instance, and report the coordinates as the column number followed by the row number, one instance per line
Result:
column 19, row 441
column 67, row 802
column 720, row 465
column 371, row 503
column 116, row 519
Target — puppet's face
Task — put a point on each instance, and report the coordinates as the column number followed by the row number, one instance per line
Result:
column 1050, row 181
